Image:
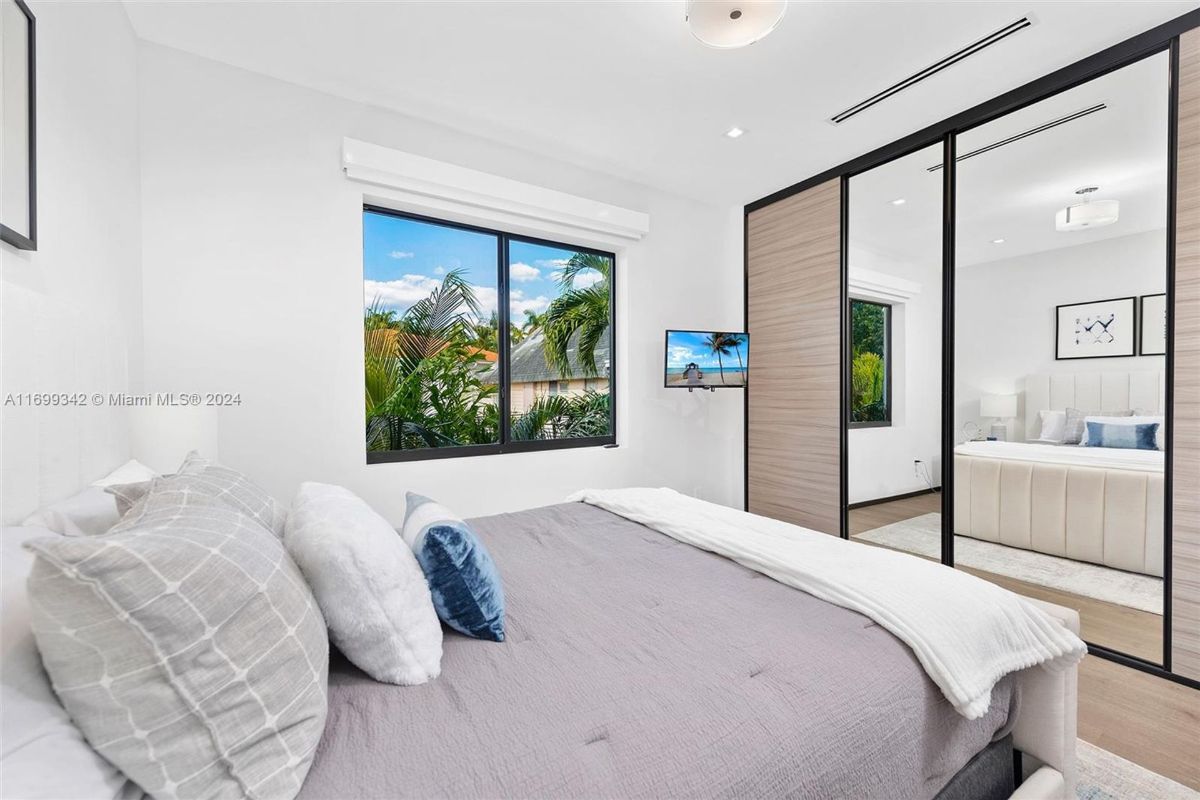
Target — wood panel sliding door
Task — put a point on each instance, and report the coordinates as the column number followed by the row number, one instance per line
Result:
column 1185, row 455
column 793, row 284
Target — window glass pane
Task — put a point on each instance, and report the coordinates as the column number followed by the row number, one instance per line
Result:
column 430, row 334
column 561, row 342
column 869, row 324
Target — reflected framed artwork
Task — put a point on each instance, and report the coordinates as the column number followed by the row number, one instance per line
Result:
column 18, row 129
column 1154, row 325
column 1096, row 329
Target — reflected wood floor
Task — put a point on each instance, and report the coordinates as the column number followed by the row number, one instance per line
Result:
column 1148, row 720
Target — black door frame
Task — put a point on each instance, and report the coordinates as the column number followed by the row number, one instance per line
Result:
column 1163, row 38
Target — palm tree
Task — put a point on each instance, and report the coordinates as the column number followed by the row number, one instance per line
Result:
column 720, row 345
column 736, row 340
column 533, row 321
column 582, row 314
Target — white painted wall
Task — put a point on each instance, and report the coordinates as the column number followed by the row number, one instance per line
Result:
column 1005, row 315
column 880, row 460
column 72, row 310
column 253, row 284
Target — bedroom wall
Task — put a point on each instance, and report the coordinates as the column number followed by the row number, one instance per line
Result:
column 254, row 285
column 1005, row 319
column 71, row 310
column 880, row 460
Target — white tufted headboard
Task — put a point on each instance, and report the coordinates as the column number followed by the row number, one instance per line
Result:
column 1092, row 391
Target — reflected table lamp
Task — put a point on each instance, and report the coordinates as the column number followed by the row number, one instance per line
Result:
column 1001, row 407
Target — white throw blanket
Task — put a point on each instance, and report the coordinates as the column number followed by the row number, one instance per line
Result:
column 967, row 633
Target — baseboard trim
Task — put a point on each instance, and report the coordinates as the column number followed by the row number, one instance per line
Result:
column 880, row 500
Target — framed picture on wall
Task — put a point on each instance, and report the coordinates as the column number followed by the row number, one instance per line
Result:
column 18, row 139
column 1154, row 325
column 1096, row 329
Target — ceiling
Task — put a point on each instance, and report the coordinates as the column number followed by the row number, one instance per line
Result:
column 1013, row 192
column 622, row 87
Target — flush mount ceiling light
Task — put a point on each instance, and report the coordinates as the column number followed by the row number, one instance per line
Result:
column 899, row 201
column 734, row 132
column 1088, row 214
column 997, row 241
column 725, row 25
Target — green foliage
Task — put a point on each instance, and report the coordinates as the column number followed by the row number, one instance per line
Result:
column 564, row 417
column 867, row 387
column 578, row 312
column 868, row 327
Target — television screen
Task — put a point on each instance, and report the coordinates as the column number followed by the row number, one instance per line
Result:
column 707, row 360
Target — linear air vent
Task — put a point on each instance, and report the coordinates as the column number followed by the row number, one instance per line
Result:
column 933, row 69
column 1016, row 137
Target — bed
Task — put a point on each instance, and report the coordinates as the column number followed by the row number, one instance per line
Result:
column 1090, row 504
column 638, row 666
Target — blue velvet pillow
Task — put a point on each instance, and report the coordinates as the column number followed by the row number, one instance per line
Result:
column 463, row 580
column 1143, row 436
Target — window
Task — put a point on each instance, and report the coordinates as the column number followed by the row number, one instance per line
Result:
column 472, row 338
column 870, row 364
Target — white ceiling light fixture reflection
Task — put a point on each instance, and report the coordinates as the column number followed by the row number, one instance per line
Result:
column 725, row 25
column 1088, row 214
column 735, row 133
column 899, row 201
column 997, row 241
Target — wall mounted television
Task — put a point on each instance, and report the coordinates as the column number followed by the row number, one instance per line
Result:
column 707, row 360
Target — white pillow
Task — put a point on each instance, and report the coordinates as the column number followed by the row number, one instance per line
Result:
column 1054, row 425
column 91, row 512
column 43, row 755
column 1159, row 437
column 131, row 471
column 368, row 584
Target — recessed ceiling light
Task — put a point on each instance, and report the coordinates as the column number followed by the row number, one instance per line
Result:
column 997, row 241
column 734, row 132
column 899, row 201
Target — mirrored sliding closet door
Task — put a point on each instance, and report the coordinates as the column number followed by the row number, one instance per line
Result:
column 894, row 354
column 1059, row 352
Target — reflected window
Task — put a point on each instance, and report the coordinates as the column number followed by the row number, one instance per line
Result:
column 870, row 367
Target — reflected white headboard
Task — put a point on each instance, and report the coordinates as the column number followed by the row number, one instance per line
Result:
column 1092, row 391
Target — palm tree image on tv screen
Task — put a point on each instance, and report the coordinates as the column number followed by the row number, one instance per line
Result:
column 706, row 359
column 432, row 344
column 869, row 328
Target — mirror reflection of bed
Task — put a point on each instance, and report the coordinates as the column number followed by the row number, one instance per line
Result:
column 1059, row 357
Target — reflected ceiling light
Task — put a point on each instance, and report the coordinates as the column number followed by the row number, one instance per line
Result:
column 899, row 201
column 997, row 241
column 725, row 25
column 1088, row 214
column 734, row 132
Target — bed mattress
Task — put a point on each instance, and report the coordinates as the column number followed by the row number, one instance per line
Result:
column 637, row 666
column 1068, row 455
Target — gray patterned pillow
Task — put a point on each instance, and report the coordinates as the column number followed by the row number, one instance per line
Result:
column 187, row 647
column 1076, row 419
column 222, row 483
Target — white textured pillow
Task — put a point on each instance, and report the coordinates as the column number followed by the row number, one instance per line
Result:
column 368, row 583
column 43, row 755
column 187, row 647
column 1054, row 425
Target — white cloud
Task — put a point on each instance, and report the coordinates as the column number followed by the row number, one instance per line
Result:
column 552, row 262
column 519, row 304
column 439, row 270
column 589, row 277
column 523, row 273
column 681, row 355
column 399, row 294
column 400, row 254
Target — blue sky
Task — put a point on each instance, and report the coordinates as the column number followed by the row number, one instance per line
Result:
column 685, row 346
column 403, row 260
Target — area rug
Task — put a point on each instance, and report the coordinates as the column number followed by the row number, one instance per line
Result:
column 923, row 535
column 1107, row 776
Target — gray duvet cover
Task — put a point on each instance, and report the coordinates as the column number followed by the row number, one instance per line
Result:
column 637, row 666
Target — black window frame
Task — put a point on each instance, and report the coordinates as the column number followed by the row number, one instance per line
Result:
column 889, row 312
column 503, row 312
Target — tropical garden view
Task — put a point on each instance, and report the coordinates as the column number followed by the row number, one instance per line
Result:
column 434, row 356
column 869, row 327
